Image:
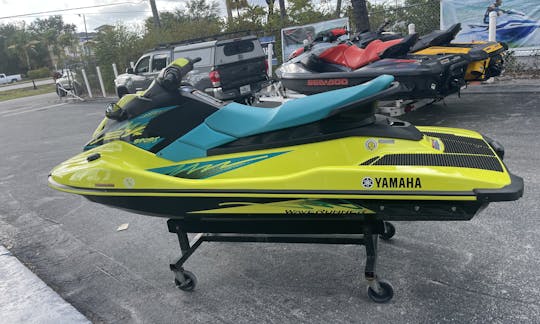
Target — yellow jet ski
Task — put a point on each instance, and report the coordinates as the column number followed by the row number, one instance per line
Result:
column 485, row 58
column 320, row 165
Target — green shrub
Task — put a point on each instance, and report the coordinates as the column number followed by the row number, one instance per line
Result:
column 39, row 73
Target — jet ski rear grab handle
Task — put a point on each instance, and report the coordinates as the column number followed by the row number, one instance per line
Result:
column 379, row 291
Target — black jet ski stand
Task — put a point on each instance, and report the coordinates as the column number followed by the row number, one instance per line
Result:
column 379, row 291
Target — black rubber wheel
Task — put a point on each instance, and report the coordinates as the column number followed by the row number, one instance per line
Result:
column 389, row 231
column 60, row 92
column 385, row 295
column 121, row 92
column 189, row 284
column 77, row 88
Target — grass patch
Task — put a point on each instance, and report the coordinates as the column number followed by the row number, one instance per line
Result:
column 26, row 92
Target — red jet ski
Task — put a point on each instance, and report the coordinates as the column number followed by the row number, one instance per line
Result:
column 329, row 66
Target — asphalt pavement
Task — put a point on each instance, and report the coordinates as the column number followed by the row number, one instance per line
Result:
column 480, row 271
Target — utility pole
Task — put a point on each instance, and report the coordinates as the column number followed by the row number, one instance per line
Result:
column 85, row 43
column 85, row 30
column 157, row 24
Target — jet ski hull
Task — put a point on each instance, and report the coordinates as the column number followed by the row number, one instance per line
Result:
column 442, row 176
column 484, row 57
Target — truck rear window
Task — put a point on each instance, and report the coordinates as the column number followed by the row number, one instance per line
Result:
column 238, row 47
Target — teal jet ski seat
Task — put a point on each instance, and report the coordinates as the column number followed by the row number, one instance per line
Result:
column 235, row 120
column 240, row 121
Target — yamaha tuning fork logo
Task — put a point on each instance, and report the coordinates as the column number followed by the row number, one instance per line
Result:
column 367, row 182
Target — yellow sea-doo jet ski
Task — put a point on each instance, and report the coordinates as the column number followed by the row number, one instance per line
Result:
column 485, row 57
column 323, row 164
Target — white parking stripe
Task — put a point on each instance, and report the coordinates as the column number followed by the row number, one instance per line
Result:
column 11, row 113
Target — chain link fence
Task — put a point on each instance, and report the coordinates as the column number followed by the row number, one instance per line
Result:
column 424, row 14
column 85, row 80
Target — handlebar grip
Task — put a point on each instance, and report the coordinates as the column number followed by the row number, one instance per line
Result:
column 170, row 79
column 195, row 60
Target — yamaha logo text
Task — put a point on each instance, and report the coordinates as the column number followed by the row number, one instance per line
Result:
column 391, row 183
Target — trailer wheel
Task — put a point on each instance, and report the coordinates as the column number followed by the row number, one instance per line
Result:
column 190, row 281
column 384, row 295
column 389, row 231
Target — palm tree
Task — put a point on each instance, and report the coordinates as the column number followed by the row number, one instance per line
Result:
column 23, row 47
column 338, row 8
column 270, row 4
column 282, row 12
column 228, row 5
column 360, row 15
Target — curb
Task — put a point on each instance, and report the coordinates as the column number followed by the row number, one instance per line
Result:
column 24, row 298
column 504, row 86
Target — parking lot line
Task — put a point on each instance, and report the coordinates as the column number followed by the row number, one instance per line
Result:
column 11, row 113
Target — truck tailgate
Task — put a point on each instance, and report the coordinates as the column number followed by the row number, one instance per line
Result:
column 237, row 74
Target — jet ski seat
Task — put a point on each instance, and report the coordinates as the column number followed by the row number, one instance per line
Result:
column 235, row 120
column 240, row 121
column 353, row 57
column 437, row 38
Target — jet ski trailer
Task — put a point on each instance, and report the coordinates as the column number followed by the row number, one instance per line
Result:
column 320, row 169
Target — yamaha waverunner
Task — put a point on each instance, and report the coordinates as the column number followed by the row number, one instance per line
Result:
column 333, row 66
column 302, row 172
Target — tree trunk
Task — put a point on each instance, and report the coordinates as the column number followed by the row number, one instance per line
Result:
column 27, row 59
column 338, row 8
column 51, row 56
column 360, row 15
column 228, row 4
column 282, row 11
column 270, row 4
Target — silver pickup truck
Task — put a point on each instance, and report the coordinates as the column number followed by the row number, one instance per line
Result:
column 232, row 69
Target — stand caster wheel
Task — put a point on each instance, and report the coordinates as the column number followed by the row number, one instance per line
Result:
column 389, row 231
column 189, row 282
column 385, row 293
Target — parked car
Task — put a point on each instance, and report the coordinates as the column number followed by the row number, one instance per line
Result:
column 65, row 81
column 9, row 78
column 232, row 69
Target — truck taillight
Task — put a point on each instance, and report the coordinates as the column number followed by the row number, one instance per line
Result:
column 214, row 78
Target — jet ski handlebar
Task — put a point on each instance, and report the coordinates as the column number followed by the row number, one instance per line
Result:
column 382, row 27
column 171, row 76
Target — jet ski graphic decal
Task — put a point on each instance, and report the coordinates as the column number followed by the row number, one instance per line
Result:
column 207, row 169
column 300, row 206
column 132, row 131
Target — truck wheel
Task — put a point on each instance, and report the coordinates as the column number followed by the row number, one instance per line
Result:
column 121, row 92
column 77, row 90
column 60, row 92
